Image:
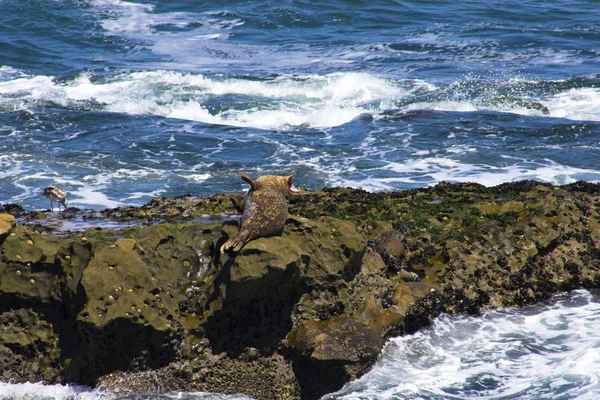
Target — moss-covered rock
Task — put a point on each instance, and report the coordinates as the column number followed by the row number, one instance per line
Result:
column 7, row 222
column 29, row 349
column 155, row 306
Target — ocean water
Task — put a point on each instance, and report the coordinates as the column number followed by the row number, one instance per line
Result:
column 544, row 352
column 121, row 101
column 549, row 351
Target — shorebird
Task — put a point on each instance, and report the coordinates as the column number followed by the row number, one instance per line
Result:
column 58, row 194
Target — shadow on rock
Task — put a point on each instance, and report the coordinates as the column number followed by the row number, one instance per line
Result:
column 119, row 346
column 255, row 313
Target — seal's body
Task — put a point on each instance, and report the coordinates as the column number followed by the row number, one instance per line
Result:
column 264, row 210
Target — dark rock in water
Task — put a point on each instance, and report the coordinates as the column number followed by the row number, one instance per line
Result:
column 393, row 115
column 363, row 117
column 156, row 307
column 11, row 208
column 586, row 187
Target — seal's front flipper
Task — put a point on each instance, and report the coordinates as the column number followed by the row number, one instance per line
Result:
column 237, row 204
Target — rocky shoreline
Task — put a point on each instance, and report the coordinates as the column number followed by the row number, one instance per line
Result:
column 154, row 307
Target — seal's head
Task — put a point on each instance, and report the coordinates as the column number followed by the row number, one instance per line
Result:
column 284, row 184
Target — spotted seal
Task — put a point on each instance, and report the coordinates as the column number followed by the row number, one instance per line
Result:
column 264, row 210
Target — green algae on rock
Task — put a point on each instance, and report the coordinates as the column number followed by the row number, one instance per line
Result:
column 157, row 307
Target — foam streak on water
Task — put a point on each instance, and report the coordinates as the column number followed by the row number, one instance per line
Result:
column 548, row 351
column 39, row 391
column 280, row 103
column 285, row 102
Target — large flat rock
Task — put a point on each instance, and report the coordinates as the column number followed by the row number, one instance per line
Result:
column 156, row 307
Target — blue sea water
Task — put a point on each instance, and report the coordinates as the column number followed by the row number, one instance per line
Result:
column 121, row 101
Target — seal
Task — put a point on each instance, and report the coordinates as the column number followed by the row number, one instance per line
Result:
column 264, row 210
column 56, row 193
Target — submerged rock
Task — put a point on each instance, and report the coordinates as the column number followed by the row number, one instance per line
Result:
column 156, row 307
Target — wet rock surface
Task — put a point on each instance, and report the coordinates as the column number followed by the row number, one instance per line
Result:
column 154, row 306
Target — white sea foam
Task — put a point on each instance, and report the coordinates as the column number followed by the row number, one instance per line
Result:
column 139, row 20
column 577, row 104
column 196, row 177
column 185, row 37
column 126, row 16
column 92, row 189
column 514, row 95
column 431, row 170
column 11, row 166
column 28, row 177
column 39, row 391
column 535, row 352
column 287, row 101
column 6, row 71
column 88, row 195
column 199, row 41
column 139, row 195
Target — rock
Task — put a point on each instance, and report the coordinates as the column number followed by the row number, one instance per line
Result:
column 156, row 307
column 260, row 286
column 339, row 339
column 394, row 248
column 7, row 222
column 29, row 348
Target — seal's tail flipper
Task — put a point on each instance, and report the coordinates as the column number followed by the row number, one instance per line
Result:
column 235, row 243
column 247, row 179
